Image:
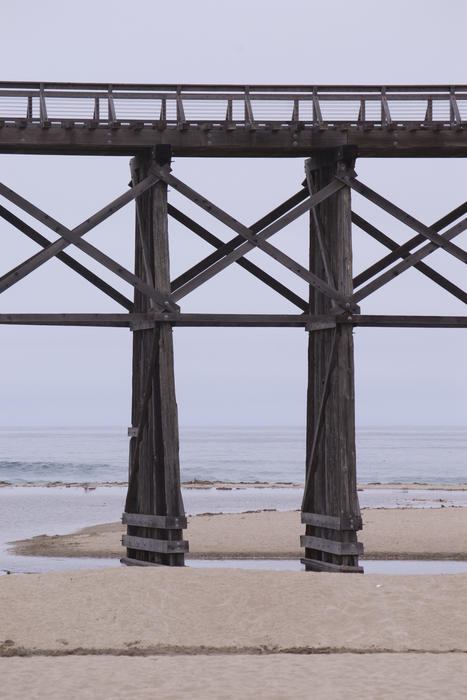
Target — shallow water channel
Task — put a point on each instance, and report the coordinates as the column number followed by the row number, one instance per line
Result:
column 26, row 512
column 371, row 566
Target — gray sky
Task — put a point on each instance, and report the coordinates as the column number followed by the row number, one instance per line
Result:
column 58, row 376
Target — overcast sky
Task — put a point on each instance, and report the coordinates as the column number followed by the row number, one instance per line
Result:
column 64, row 376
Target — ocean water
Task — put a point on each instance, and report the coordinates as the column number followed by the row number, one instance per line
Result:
column 27, row 512
column 249, row 454
column 274, row 454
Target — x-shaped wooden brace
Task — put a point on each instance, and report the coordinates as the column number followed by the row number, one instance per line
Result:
column 74, row 236
column 403, row 251
column 436, row 240
column 259, row 240
column 67, row 259
column 222, row 249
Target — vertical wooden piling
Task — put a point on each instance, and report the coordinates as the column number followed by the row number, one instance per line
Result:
column 154, row 510
column 330, row 508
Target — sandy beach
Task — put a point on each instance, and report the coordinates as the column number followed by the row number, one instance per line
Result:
column 391, row 676
column 159, row 609
column 229, row 634
column 234, row 633
column 402, row 533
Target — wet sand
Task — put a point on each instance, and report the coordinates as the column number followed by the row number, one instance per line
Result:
column 404, row 533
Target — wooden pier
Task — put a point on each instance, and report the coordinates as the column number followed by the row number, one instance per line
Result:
column 233, row 120
column 329, row 127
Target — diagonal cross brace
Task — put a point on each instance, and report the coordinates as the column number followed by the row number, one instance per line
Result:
column 400, row 252
column 407, row 219
column 409, row 262
column 397, row 250
column 225, row 248
column 75, row 236
column 257, row 240
column 243, row 262
column 67, row 259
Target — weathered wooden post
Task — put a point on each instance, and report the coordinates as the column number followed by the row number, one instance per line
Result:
column 330, row 508
column 154, row 510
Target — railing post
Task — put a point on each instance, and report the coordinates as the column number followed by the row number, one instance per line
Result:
column 43, row 108
column 96, row 113
column 181, row 121
column 112, row 117
column 385, row 113
column 361, row 113
column 429, row 112
column 454, row 114
column 249, row 118
column 29, row 108
column 317, row 116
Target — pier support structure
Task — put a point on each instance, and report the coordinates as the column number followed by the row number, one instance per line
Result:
column 326, row 125
column 154, row 510
column 330, row 508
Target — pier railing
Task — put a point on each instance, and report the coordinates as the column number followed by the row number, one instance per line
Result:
column 254, row 107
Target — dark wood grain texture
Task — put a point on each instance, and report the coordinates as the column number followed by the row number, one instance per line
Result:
column 154, row 476
column 330, row 483
column 313, row 323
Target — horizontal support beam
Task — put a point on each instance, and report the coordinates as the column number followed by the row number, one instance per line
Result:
column 229, row 320
column 146, row 321
column 331, row 522
column 320, row 326
column 308, row 321
column 414, row 140
column 129, row 561
column 409, row 321
column 101, row 320
column 331, row 546
column 160, row 522
column 147, row 544
column 315, row 565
